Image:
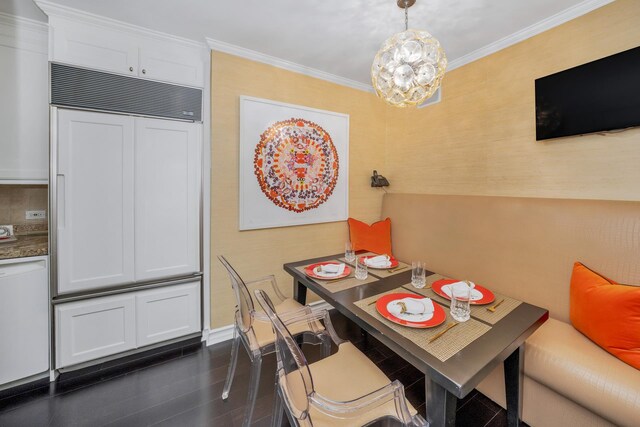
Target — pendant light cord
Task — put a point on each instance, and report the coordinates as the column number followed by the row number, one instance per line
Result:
column 406, row 15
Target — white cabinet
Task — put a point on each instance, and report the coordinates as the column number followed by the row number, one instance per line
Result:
column 167, row 313
column 95, row 215
column 24, row 318
column 104, row 44
column 87, row 330
column 167, row 165
column 93, row 47
column 24, row 104
column 104, row 326
column 127, row 199
column 171, row 62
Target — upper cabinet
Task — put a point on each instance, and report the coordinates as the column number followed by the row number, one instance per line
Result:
column 99, row 43
column 24, row 104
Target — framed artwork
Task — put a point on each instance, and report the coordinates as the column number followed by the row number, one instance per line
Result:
column 294, row 165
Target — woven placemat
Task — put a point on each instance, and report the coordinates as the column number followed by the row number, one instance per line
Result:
column 444, row 347
column 401, row 268
column 479, row 312
column 340, row 284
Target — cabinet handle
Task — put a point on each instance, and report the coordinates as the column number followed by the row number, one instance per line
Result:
column 144, row 71
column 61, row 201
column 131, row 69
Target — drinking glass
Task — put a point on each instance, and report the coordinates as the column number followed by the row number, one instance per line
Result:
column 460, row 301
column 349, row 254
column 418, row 277
column 361, row 269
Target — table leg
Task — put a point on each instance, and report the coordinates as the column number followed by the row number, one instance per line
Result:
column 441, row 405
column 513, row 379
column 299, row 292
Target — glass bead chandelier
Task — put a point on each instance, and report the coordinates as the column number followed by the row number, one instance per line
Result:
column 409, row 66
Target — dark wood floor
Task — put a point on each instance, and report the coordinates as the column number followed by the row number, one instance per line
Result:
column 181, row 386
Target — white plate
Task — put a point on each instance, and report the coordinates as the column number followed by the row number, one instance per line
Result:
column 410, row 317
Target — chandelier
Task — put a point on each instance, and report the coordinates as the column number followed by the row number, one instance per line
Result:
column 409, row 66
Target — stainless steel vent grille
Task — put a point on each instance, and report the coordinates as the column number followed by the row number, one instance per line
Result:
column 78, row 87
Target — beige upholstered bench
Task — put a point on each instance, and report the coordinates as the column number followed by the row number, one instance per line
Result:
column 525, row 248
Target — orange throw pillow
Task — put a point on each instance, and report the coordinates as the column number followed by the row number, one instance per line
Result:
column 373, row 238
column 606, row 312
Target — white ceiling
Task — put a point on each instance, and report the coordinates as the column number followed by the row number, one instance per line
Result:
column 332, row 36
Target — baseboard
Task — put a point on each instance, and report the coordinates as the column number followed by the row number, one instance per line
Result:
column 225, row 333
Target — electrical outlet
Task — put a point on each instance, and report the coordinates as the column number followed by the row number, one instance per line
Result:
column 36, row 215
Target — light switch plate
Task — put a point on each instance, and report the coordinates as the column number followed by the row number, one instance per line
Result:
column 36, row 215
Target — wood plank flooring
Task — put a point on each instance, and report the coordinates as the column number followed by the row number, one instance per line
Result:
column 182, row 385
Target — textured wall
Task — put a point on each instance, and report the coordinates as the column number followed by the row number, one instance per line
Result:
column 260, row 252
column 481, row 138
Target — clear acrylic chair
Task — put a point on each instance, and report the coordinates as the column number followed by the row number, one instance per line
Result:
column 344, row 389
column 253, row 328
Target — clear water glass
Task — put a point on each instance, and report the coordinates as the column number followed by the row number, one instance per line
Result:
column 361, row 269
column 460, row 301
column 418, row 275
column 349, row 254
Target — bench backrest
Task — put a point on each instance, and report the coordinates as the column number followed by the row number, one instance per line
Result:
column 522, row 247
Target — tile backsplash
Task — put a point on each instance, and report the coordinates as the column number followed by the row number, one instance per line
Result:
column 15, row 200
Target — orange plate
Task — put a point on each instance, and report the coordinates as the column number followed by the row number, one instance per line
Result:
column 309, row 271
column 487, row 296
column 394, row 262
column 439, row 316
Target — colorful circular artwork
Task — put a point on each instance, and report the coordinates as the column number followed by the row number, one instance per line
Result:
column 296, row 164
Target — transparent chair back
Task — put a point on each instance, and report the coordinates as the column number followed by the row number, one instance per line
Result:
column 248, row 321
column 295, row 386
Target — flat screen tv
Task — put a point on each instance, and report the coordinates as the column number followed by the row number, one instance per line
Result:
column 599, row 96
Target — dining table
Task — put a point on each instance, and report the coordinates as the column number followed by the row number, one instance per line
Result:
column 455, row 361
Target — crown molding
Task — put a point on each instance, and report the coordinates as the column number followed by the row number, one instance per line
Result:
column 31, row 24
column 23, row 33
column 252, row 55
column 59, row 11
column 532, row 30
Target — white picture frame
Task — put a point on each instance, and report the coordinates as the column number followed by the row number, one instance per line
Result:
column 256, row 210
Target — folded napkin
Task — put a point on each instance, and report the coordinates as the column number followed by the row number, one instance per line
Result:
column 380, row 261
column 422, row 306
column 475, row 294
column 331, row 269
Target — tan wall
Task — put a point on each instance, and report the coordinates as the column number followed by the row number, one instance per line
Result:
column 261, row 252
column 481, row 138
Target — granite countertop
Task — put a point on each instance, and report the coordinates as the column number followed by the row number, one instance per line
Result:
column 27, row 245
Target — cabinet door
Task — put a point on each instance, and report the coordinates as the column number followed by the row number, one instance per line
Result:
column 91, row 46
column 167, row 188
column 24, row 318
column 171, row 62
column 24, row 112
column 167, row 313
column 87, row 330
column 94, row 200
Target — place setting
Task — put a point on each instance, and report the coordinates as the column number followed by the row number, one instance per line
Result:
column 483, row 303
column 381, row 265
column 423, row 320
column 337, row 276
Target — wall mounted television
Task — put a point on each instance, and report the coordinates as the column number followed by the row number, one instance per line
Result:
column 599, row 96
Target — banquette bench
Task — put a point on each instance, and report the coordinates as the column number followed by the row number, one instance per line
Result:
column 526, row 248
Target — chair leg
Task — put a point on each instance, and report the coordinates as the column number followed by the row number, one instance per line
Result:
column 232, row 364
column 326, row 345
column 276, row 414
column 254, row 382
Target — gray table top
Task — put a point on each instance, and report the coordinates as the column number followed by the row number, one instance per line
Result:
column 459, row 374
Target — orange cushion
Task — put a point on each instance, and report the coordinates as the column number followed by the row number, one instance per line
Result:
column 374, row 238
column 606, row 312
